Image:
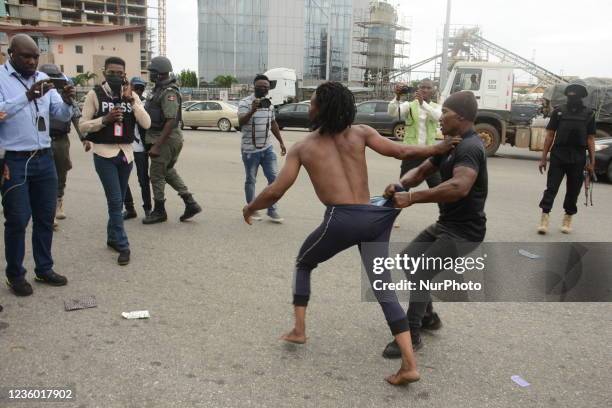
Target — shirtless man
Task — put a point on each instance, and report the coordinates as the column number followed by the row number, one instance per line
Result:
column 334, row 157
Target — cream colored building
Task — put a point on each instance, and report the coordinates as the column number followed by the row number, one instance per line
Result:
column 78, row 50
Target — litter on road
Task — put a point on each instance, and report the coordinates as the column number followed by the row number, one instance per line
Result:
column 520, row 381
column 139, row 314
column 84, row 302
column 528, row 254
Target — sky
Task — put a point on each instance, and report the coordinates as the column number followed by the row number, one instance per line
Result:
column 566, row 37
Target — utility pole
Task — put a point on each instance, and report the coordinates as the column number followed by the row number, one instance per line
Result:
column 444, row 65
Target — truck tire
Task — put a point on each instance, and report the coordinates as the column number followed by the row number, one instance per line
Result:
column 490, row 137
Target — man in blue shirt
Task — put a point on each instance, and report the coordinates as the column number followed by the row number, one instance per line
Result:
column 30, row 183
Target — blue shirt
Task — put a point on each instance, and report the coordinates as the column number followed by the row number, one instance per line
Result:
column 19, row 130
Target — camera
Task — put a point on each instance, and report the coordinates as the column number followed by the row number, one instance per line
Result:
column 406, row 90
column 265, row 103
column 58, row 83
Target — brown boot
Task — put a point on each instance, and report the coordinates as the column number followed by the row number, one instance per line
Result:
column 566, row 226
column 543, row 227
column 59, row 210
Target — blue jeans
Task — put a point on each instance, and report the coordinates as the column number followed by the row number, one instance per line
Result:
column 22, row 198
column 267, row 160
column 114, row 174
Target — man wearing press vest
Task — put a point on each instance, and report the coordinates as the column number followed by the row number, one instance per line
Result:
column 30, row 182
column 110, row 114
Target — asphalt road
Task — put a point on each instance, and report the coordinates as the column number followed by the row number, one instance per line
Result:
column 219, row 295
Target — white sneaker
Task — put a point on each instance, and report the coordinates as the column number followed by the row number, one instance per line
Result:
column 274, row 217
column 256, row 216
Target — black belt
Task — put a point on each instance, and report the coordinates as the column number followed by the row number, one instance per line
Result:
column 30, row 153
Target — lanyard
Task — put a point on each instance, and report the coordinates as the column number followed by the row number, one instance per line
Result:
column 26, row 87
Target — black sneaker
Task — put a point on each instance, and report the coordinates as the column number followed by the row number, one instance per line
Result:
column 20, row 288
column 431, row 322
column 393, row 351
column 124, row 257
column 113, row 246
column 129, row 214
column 52, row 279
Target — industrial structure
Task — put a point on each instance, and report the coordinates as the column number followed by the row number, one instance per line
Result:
column 381, row 43
column 49, row 13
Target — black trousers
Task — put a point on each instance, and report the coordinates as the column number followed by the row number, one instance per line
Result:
column 574, row 179
column 435, row 242
column 432, row 180
column 141, row 160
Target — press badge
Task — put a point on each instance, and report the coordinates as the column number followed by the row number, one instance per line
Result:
column 118, row 129
column 42, row 126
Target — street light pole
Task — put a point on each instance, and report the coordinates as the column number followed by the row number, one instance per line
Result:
column 444, row 65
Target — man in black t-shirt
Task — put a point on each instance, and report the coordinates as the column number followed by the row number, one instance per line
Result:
column 462, row 195
column 570, row 133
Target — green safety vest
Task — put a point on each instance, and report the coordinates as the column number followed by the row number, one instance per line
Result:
column 411, row 130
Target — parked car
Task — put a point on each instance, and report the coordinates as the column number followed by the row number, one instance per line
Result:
column 293, row 115
column 603, row 158
column 187, row 104
column 374, row 114
column 523, row 113
column 210, row 114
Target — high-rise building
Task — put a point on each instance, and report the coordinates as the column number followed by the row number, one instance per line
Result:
column 47, row 13
column 245, row 37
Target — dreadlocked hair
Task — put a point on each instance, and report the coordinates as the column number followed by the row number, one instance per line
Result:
column 336, row 106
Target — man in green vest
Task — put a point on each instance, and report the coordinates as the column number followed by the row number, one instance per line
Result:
column 422, row 118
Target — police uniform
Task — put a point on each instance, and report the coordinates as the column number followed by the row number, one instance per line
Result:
column 163, row 104
column 568, row 155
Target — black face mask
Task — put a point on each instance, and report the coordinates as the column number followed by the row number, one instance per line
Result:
column 115, row 82
column 153, row 76
column 260, row 92
column 574, row 102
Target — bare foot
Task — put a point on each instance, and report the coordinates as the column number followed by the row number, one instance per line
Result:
column 294, row 337
column 403, row 377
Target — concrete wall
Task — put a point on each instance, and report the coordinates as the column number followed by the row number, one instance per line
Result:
column 95, row 50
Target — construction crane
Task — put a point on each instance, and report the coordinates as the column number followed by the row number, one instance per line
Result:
column 161, row 26
column 470, row 37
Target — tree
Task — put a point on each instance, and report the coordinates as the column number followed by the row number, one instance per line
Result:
column 188, row 78
column 84, row 78
column 225, row 81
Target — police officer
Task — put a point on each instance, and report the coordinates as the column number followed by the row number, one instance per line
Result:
column 60, row 143
column 166, row 140
column 570, row 132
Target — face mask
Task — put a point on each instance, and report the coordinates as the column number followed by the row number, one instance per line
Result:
column 153, row 76
column 115, row 82
column 260, row 92
column 574, row 101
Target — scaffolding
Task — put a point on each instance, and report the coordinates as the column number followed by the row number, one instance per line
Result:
column 467, row 43
column 381, row 40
